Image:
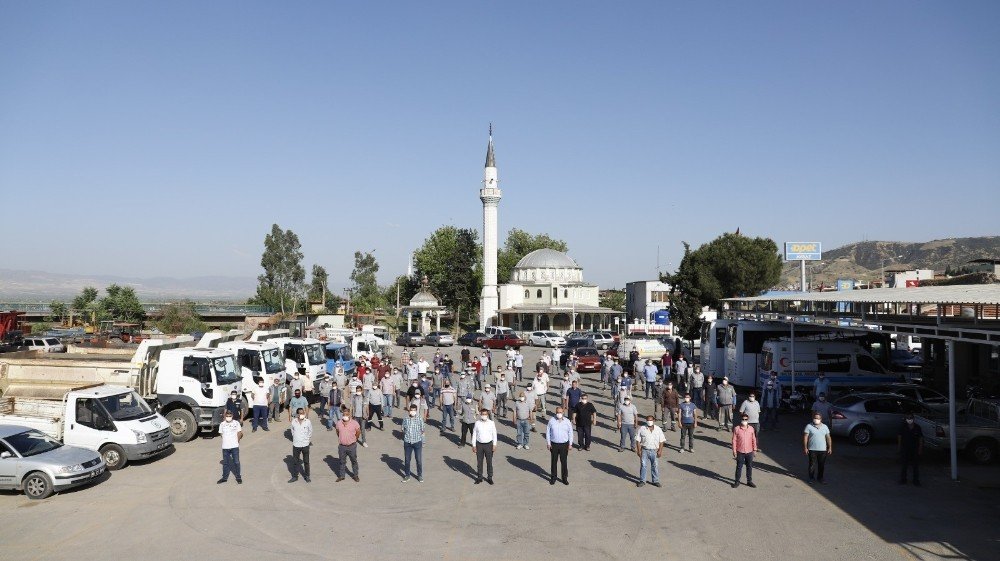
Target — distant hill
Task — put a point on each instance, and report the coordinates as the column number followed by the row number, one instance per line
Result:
column 863, row 260
column 38, row 286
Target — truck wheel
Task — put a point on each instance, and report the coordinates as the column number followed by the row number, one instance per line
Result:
column 861, row 435
column 37, row 486
column 183, row 426
column 982, row 450
column 114, row 456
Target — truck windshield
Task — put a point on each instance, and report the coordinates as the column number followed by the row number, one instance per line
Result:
column 314, row 353
column 125, row 406
column 225, row 370
column 273, row 361
column 31, row 442
column 338, row 353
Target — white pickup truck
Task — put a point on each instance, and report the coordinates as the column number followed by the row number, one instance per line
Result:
column 112, row 420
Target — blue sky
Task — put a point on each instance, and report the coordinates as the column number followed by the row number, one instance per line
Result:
column 150, row 139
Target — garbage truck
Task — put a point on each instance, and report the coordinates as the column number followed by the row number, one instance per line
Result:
column 187, row 385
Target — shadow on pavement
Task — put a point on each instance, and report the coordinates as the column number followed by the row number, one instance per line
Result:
column 702, row 472
column 612, row 470
column 530, row 467
column 461, row 467
column 333, row 463
column 393, row 463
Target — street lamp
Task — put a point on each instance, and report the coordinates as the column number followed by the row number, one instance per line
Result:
column 884, row 259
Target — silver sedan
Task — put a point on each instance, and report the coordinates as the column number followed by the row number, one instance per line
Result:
column 32, row 462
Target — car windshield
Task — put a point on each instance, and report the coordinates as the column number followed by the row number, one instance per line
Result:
column 586, row 352
column 314, row 354
column 125, row 406
column 551, row 334
column 31, row 442
column 273, row 362
column 52, row 341
column 225, row 370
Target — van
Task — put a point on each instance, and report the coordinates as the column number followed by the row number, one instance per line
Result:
column 649, row 349
column 846, row 364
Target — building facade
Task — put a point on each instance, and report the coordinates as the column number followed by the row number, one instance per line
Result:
column 644, row 298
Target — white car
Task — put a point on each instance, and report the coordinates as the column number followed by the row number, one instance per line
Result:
column 546, row 339
column 44, row 344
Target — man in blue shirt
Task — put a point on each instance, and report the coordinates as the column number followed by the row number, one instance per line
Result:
column 817, row 445
column 821, row 385
column 649, row 371
column 559, row 437
column 573, row 395
column 689, row 422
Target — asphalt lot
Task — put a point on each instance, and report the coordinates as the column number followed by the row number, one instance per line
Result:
column 171, row 508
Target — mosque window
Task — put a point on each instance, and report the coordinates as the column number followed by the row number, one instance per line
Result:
column 539, row 293
column 527, row 294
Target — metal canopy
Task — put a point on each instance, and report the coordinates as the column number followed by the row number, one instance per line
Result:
column 958, row 294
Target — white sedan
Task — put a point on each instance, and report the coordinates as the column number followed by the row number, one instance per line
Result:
column 546, row 339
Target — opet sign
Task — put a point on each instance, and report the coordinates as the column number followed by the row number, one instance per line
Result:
column 803, row 251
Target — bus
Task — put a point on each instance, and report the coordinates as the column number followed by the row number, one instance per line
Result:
column 713, row 346
column 744, row 340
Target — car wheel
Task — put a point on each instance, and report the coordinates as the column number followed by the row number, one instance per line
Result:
column 37, row 486
column 982, row 450
column 550, row 344
column 861, row 435
column 183, row 425
column 114, row 456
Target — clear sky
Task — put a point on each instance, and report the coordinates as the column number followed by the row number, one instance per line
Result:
column 164, row 138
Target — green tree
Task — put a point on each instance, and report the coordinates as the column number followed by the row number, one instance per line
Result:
column 408, row 286
column 181, row 317
column 449, row 258
column 614, row 299
column 59, row 310
column 85, row 299
column 365, row 293
column 518, row 244
column 729, row 266
column 121, row 304
column 283, row 283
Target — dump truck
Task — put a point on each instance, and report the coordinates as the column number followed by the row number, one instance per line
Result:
column 187, row 385
column 256, row 360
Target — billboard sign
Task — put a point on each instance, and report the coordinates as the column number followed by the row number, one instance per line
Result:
column 845, row 284
column 803, row 251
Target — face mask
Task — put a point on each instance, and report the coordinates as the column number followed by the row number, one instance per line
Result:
column 817, row 421
column 744, row 423
column 822, row 399
column 298, row 394
column 725, row 383
column 502, row 378
column 649, row 423
column 687, row 400
column 559, row 415
column 261, row 385
column 627, row 402
column 583, row 400
column 484, row 417
column 233, row 397
column 468, row 401
column 357, row 393
column 413, row 413
column 522, row 399
column 909, row 421
column 228, row 419
column 752, row 398
column 302, row 417
column 347, row 418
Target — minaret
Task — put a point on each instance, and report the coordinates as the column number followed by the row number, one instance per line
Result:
column 490, row 195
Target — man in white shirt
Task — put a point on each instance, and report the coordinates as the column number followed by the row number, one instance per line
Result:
column 649, row 447
column 231, row 432
column 422, row 366
column 302, row 430
column 260, row 401
column 484, row 444
column 541, row 387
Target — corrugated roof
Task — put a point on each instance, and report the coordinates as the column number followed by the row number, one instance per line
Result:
column 958, row 294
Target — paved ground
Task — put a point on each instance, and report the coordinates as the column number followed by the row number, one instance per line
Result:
column 171, row 508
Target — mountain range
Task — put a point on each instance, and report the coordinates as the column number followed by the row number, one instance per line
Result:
column 864, row 260
column 39, row 286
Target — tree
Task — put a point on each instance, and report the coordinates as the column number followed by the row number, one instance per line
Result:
column 86, row 297
column 282, row 284
column 121, row 304
column 449, row 258
column 408, row 286
column 59, row 310
column 520, row 243
column 181, row 317
column 729, row 266
column 365, row 293
column 614, row 299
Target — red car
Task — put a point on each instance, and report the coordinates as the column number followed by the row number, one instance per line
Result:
column 503, row 341
column 587, row 359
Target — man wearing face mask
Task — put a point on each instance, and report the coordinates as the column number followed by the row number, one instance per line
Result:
column 275, row 399
column 817, row 445
column 910, row 445
column 359, row 410
column 298, row 402
column 447, row 406
column 744, row 447
column 649, row 448
column 821, row 385
column 484, row 444
column 727, row 396
column 413, row 443
column 522, row 420
column 689, row 421
column 348, row 433
column 711, row 399
column 770, row 400
column 464, row 386
column 503, row 393
column 488, row 400
column 302, row 431
column 824, row 408
column 586, row 417
column 260, row 400
column 559, row 439
column 671, row 404
column 234, row 404
column 231, row 432
column 467, row 414
column 750, row 409
column 626, row 416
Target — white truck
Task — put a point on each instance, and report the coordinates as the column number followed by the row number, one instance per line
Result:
column 307, row 353
column 111, row 420
column 187, row 385
column 256, row 360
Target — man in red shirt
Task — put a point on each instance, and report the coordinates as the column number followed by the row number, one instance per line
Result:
column 744, row 446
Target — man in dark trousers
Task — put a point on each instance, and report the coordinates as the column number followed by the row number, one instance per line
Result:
column 911, row 446
column 586, row 418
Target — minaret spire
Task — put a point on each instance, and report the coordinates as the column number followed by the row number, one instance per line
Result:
column 490, row 161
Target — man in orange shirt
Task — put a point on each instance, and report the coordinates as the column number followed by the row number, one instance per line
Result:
column 744, row 446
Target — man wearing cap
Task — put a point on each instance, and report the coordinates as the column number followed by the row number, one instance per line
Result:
column 559, row 439
column 649, row 447
column 484, row 444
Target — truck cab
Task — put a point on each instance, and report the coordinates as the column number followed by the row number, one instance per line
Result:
column 308, row 355
column 192, row 386
column 256, row 360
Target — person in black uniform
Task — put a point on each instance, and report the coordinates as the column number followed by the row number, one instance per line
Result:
column 910, row 447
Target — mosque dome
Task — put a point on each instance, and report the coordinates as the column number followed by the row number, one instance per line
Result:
column 547, row 266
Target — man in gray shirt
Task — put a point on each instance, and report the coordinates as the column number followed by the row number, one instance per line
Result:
column 727, row 397
column 302, row 431
column 503, row 391
column 627, row 412
column 467, row 414
column 488, row 400
column 522, row 419
column 358, row 411
column 464, row 386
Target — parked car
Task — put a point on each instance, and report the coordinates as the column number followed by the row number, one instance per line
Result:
column 44, row 344
column 865, row 416
column 931, row 398
column 472, row 339
column 601, row 340
column 587, row 359
column 439, row 339
column 39, row 465
column 503, row 341
column 410, row 339
column 546, row 339
column 977, row 430
column 577, row 342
